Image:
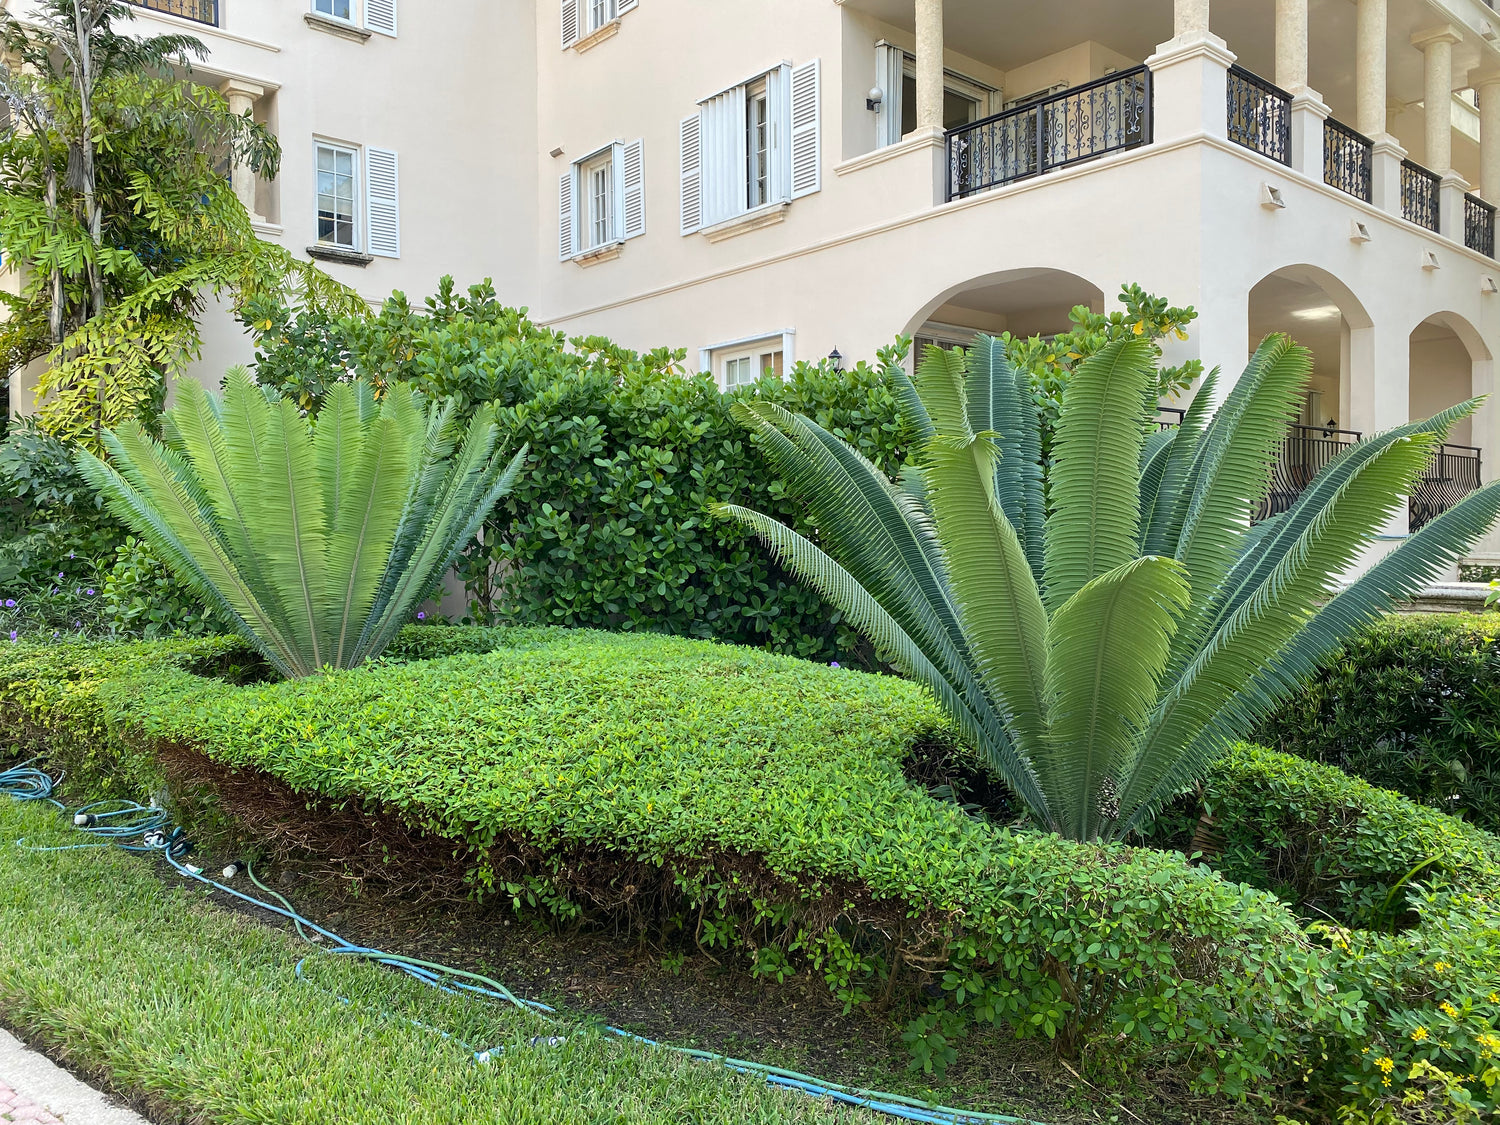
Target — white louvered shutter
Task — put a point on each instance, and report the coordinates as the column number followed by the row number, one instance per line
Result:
column 630, row 160
column 623, row 6
column 380, row 15
column 692, row 173
column 383, row 203
column 889, row 70
column 567, row 235
column 779, row 114
column 807, row 141
column 569, row 23
column 724, row 149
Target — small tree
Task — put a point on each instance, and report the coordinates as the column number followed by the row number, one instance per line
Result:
column 113, row 198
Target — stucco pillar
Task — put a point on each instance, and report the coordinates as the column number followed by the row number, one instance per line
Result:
column 242, row 97
column 1380, row 394
column 1369, row 66
column 1308, row 114
column 1189, row 18
column 1487, row 85
column 930, row 64
column 1189, row 85
column 1291, row 45
column 1385, row 173
column 1436, row 45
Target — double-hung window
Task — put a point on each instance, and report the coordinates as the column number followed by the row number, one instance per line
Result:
column 582, row 18
column 965, row 100
column 602, row 200
column 379, row 15
column 357, row 199
column 755, row 145
column 741, row 363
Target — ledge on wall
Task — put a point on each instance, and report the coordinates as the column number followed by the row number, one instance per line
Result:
column 750, row 220
column 335, row 27
column 339, row 254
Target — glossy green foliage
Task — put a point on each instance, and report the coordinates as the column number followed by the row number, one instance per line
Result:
column 608, row 527
column 1100, row 657
column 318, row 541
column 143, row 598
column 1413, row 704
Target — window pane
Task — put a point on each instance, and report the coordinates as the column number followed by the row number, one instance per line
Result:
column 339, row 9
column 908, row 104
column 958, row 109
column 325, row 159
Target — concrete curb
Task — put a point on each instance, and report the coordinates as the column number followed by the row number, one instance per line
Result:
column 48, row 1094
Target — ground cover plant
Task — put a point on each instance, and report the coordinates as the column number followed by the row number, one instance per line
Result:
column 318, row 541
column 729, row 800
column 164, row 998
column 1410, row 704
column 1103, row 622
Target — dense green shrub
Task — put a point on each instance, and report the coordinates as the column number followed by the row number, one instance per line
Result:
column 1407, row 898
column 608, row 526
column 708, row 764
column 1412, row 704
column 142, row 598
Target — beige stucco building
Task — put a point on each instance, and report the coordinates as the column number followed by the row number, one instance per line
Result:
column 763, row 182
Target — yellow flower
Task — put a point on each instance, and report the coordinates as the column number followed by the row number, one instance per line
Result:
column 1494, row 998
column 1439, row 966
column 1386, row 1065
column 1448, row 1010
column 1140, row 328
column 1419, row 1034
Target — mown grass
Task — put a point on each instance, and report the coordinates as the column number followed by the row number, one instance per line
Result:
column 199, row 1012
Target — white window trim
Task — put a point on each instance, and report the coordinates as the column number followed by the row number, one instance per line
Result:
column 357, row 151
column 712, row 357
column 583, row 188
column 989, row 99
column 352, row 20
column 618, row 155
column 586, row 32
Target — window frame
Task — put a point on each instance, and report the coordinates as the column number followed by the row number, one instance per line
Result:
column 716, row 358
column 352, row 19
column 982, row 94
column 356, row 179
column 760, row 140
column 586, row 200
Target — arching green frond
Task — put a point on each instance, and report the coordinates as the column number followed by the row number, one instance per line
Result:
column 998, row 399
column 1162, row 524
column 1096, row 469
column 909, row 402
column 942, row 384
column 1106, row 649
column 1156, row 453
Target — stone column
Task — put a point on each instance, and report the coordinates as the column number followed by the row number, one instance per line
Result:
column 1189, row 18
column 1369, row 66
column 1380, row 372
column 242, row 97
column 930, row 64
column 1436, row 45
column 1487, row 85
column 1291, row 45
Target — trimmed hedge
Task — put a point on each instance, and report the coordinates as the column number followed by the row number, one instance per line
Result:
column 1413, row 704
column 768, row 793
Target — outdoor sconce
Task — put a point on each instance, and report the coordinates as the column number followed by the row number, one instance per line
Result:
column 874, row 98
column 836, row 359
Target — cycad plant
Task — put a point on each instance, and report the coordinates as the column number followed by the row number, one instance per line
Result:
column 318, row 538
column 1101, row 638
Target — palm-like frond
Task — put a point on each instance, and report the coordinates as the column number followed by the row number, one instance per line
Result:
column 1171, row 623
column 318, row 541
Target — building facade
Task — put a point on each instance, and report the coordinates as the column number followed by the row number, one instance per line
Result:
column 765, row 182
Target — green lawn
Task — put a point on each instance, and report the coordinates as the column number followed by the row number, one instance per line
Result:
column 199, row 1010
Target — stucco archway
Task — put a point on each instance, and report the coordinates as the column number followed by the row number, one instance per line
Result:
column 1025, row 302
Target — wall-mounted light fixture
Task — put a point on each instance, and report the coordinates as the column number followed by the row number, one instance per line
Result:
column 874, row 98
column 835, row 358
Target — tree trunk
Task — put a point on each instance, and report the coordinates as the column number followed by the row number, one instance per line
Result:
column 55, row 313
column 83, row 25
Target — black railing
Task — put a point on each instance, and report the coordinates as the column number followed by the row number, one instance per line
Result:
column 1453, row 474
column 1419, row 196
column 199, row 11
column 1084, row 123
column 1479, row 225
column 1348, row 160
column 1260, row 115
column 1304, row 454
column 1169, row 417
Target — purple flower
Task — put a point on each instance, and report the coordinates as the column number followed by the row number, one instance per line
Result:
column 422, row 617
column 12, row 634
column 59, row 576
column 78, row 624
column 10, row 603
column 52, row 592
column 70, row 554
column 90, row 591
column 833, row 664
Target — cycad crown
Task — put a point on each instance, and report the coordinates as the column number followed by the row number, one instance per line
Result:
column 1100, row 640
column 319, row 539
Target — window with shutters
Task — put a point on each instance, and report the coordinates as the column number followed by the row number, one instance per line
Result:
column 337, row 188
column 335, row 9
column 602, row 200
column 753, row 148
column 377, row 15
column 585, row 22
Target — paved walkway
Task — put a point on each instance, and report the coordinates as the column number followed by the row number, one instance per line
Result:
column 35, row 1091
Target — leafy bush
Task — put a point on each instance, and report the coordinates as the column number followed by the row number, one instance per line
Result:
column 1413, row 704
column 766, row 795
column 1102, row 621
column 142, row 598
column 317, row 541
column 607, row 527
column 1406, row 898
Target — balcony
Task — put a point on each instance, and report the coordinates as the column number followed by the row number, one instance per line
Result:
column 1419, row 195
column 1479, row 225
column 1108, row 115
column 1348, row 160
column 199, row 11
column 1260, row 115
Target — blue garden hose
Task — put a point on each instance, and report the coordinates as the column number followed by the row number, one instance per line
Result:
column 147, row 828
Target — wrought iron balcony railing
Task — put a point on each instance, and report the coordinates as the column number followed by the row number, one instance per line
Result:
column 1454, row 473
column 1083, row 123
column 1479, row 225
column 1260, row 115
column 1348, row 160
column 199, row 11
column 1419, row 195
column 1304, row 454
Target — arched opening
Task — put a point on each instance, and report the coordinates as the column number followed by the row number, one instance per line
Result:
column 1029, row 302
column 1323, row 315
column 1448, row 364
